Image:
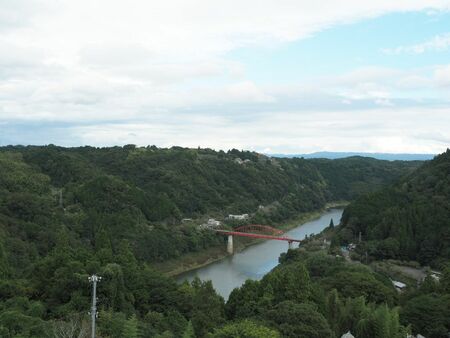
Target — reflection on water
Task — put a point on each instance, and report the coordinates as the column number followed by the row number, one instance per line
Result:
column 257, row 260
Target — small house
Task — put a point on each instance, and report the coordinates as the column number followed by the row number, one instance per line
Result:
column 399, row 285
column 213, row 223
column 238, row 217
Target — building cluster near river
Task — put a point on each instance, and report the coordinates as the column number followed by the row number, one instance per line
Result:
column 256, row 260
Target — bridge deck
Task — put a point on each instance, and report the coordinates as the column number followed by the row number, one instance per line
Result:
column 252, row 235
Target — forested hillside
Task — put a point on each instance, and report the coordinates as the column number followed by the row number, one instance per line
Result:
column 67, row 213
column 356, row 176
column 409, row 219
column 104, row 195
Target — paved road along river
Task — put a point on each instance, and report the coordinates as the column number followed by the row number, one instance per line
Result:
column 256, row 260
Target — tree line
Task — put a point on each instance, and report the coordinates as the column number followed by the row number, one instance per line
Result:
column 66, row 213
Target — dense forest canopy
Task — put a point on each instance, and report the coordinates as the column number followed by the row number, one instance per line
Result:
column 409, row 219
column 66, row 213
column 105, row 195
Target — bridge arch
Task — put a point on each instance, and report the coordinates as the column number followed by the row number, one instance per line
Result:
column 260, row 229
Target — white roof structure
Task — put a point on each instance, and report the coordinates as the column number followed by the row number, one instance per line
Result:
column 399, row 285
column 243, row 216
column 347, row 335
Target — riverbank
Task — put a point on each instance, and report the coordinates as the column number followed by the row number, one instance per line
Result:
column 200, row 259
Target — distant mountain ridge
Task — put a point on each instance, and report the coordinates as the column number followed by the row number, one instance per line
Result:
column 379, row 156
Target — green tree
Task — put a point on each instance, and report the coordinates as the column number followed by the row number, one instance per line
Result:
column 4, row 265
column 428, row 315
column 208, row 308
column 111, row 324
column 334, row 310
column 445, row 280
column 289, row 282
column 429, row 285
column 244, row 329
column 298, row 320
column 130, row 328
column 189, row 332
column 244, row 302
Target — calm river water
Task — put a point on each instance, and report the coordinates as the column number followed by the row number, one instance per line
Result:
column 257, row 260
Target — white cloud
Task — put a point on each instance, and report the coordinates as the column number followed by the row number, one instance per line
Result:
column 95, row 96
column 245, row 91
column 383, row 129
column 437, row 43
column 119, row 72
column 442, row 75
column 18, row 13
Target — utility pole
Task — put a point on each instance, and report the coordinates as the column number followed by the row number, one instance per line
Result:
column 94, row 279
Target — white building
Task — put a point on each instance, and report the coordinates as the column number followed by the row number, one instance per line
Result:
column 210, row 224
column 399, row 285
column 238, row 217
column 213, row 223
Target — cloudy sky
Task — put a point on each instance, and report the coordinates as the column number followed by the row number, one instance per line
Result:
column 275, row 76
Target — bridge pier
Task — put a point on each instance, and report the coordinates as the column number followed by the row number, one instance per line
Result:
column 291, row 244
column 230, row 244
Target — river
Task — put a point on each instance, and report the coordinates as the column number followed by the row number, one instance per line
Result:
column 256, row 260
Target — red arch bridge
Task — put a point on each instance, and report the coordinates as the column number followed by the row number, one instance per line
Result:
column 256, row 231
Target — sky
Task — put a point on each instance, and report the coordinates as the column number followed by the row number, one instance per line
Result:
column 273, row 76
